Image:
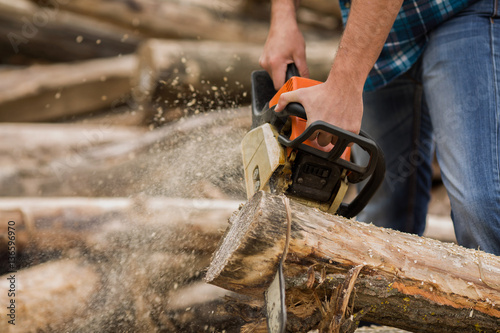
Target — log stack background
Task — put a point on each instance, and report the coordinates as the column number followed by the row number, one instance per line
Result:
column 120, row 128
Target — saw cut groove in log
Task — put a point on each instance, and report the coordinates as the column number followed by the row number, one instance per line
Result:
column 406, row 281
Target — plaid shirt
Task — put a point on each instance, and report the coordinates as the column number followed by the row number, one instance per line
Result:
column 408, row 36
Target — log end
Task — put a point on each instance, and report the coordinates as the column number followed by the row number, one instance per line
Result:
column 247, row 256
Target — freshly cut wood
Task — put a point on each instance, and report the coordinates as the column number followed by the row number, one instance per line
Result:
column 56, row 35
column 48, row 297
column 45, row 92
column 177, row 76
column 147, row 255
column 405, row 281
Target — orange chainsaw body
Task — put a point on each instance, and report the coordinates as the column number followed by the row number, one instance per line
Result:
column 299, row 124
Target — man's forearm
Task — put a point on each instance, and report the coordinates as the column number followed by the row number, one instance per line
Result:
column 366, row 31
column 283, row 11
column 285, row 43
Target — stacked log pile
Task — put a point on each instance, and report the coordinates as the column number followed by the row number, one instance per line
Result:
column 60, row 36
column 121, row 123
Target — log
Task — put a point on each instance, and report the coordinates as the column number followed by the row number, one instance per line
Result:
column 54, row 140
column 175, row 78
column 48, row 92
column 22, row 157
column 148, row 256
column 56, row 225
column 214, row 20
column 125, row 115
column 27, row 29
column 405, row 281
column 81, row 295
column 49, row 297
column 195, row 157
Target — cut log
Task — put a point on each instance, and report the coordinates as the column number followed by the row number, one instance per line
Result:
column 47, row 92
column 146, row 255
column 178, row 78
column 78, row 295
column 405, row 281
column 22, row 157
column 28, row 29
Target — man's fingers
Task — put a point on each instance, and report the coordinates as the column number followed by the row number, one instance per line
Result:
column 284, row 100
column 302, row 67
column 324, row 139
column 278, row 73
column 279, row 78
column 313, row 136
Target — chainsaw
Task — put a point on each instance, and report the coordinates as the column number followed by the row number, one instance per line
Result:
column 279, row 157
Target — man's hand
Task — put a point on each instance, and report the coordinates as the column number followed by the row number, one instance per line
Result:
column 332, row 102
column 339, row 101
column 285, row 43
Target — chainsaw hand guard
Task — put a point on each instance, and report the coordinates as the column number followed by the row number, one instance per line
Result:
column 374, row 170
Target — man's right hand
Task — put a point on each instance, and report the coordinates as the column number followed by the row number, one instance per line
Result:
column 285, row 43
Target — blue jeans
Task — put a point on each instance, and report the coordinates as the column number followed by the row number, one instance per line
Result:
column 449, row 101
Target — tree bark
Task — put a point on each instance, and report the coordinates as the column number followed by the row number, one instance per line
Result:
column 47, row 92
column 27, row 29
column 405, row 281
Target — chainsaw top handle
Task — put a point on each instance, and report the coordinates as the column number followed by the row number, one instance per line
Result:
column 291, row 71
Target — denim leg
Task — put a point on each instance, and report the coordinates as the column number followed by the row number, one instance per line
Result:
column 461, row 79
column 396, row 118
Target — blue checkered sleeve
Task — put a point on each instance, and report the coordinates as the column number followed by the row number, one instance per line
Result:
column 408, row 36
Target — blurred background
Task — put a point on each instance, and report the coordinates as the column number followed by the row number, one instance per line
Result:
column 120, row 130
